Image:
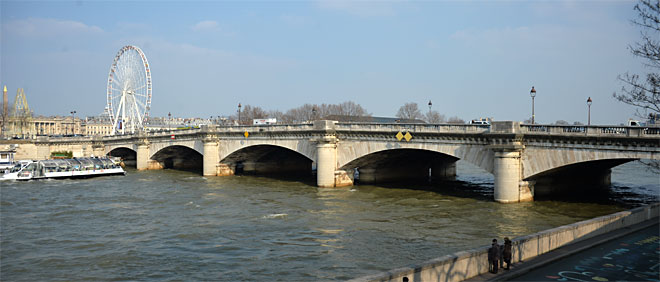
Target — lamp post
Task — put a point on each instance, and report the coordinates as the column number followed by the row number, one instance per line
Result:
column 169, row 121
column 430, row 105
column 589, row 111
column 73, row 122
column 239, row 113
column 533, row 94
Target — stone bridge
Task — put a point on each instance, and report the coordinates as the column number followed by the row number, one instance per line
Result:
column 525, row 159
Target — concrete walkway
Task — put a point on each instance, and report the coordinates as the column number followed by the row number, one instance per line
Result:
column 522, row 270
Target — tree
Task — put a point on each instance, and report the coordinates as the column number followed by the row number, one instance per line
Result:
column 409, row 111
column 349, row 108
column 434, row 117
column 308, row 112
column 561, row 122
column 248, row 113
column 300, row 114
column 644, row 93
column 456, row 120
column 280, row 116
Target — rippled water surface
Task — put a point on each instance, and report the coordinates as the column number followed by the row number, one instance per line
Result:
column 174, row 225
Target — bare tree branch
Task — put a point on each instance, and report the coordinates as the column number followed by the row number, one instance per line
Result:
column 644, row 93
column 409, row 111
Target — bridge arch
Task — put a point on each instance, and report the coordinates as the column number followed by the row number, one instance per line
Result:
column 576, row 177
column 177, row 157
column 127, row 155
column 268, row 159
column 403, row 164
column 398, row 159
column 541, row 160
column 195, row 145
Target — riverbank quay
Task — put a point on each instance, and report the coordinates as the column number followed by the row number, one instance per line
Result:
column 630, row 257
column 470, row 264
column 612, row 244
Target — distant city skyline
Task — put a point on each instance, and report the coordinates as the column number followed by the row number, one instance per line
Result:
column 471, row 59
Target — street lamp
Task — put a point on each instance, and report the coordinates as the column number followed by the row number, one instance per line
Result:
column 589, row 111
column 430, row 105
column 73, row 122
column 169, row 122
column 239, row 113
column 533, row 94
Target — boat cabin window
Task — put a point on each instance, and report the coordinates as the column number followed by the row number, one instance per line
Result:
column 31, row 167
column 16, row 168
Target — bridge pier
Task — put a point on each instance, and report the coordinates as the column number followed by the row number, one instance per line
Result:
column 327, row 174
column 509, row 187
column 226, row 169
column 249, row 167
column 97, row 150
column 211, row 157
column 344, row 177
column 443, row 171
column 142, row 162
column 326, row 162
column 392, row 174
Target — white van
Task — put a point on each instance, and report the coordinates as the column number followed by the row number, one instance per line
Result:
column 481, row 122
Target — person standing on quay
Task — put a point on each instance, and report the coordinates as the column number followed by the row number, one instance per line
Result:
column 493, row 256
column 506, row 253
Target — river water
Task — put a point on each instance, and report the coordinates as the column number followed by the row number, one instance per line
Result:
column 176, row 225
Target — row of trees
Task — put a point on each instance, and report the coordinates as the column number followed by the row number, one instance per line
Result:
column 411, row 111
column 307, row 112
column 303, row 113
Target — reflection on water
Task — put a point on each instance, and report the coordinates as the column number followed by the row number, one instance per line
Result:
column 176, row 225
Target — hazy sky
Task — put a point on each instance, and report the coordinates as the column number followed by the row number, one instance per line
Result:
column 471, row 58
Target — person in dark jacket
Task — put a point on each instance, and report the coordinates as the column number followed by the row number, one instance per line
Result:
column 506, row 252
column 493, row 256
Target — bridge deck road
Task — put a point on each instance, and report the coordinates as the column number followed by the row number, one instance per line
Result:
column 628, row 254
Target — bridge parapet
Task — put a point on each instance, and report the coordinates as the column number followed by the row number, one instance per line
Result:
column 413, row 127
column 265, row 128
column 592, row 130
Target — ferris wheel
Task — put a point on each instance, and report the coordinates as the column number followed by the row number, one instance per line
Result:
column 129, row 90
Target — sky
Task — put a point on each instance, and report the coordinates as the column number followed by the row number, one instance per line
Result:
column 472, row 59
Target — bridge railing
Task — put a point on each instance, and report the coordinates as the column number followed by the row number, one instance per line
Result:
column 266, row 128
column 222, row 129
column 413, row 127
column 592, row 130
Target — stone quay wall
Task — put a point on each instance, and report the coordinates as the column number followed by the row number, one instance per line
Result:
column 466, row 264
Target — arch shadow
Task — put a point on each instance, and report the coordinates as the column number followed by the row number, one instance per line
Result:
column 180, row 158
column 127, row 155
column 403, row 164
column 579, row 180
column 269, row 160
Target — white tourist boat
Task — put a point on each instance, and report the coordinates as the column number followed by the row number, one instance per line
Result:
column 63, row 168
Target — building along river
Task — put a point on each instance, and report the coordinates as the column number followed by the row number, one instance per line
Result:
column 177, row 225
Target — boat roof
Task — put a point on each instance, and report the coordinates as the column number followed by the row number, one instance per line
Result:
column 76, row 161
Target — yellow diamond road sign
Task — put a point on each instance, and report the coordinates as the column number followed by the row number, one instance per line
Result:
column 246, row 134
column 407, row 136
column 399, row 136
